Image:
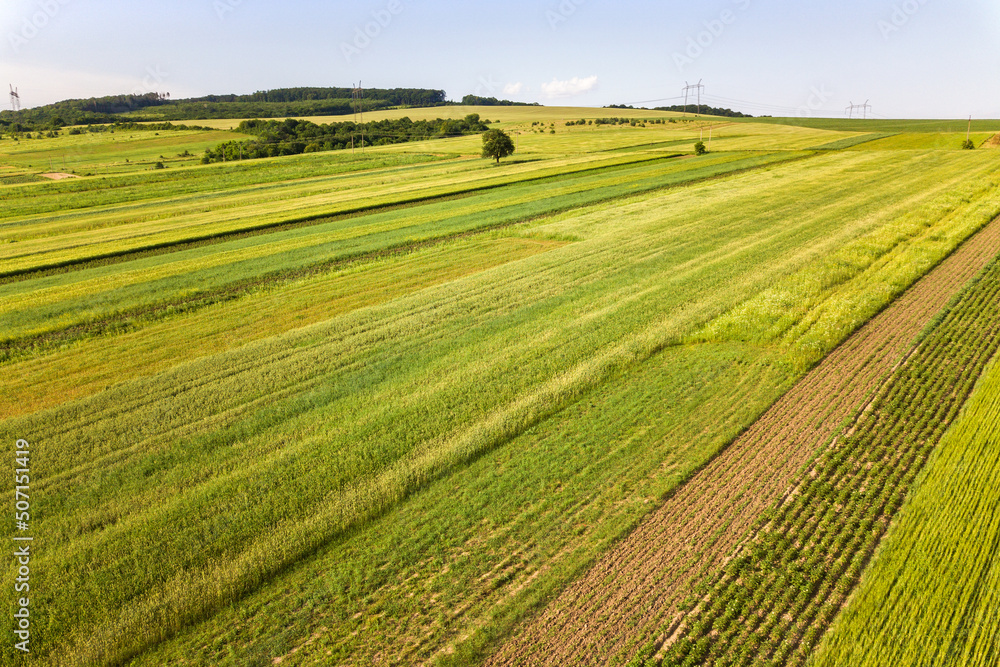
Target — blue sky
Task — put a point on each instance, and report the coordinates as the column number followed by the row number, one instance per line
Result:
column 909, row 58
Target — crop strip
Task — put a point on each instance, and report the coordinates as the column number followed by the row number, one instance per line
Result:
column 631, row 597
column 775, row 600
column 850, row 142
column 324, row 217
column 302, row 221
column 125, row 319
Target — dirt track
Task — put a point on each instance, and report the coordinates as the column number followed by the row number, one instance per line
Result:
column 630, row 596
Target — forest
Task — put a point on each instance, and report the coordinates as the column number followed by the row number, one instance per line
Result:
column 159, row 107
column 293, row 136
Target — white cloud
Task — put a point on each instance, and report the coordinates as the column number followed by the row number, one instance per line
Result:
column 513, row 88
column 575, row 86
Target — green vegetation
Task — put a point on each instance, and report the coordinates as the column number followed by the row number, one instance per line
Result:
column 705, row 111
column 105, row 150
column 293, row 137
column 777, row 596
column 345, row 408
column 930, row 596
column 497, row 144
column 197, row 274
column 476, row 101
column 158, row 106
column 884, row 125
column 851, row 142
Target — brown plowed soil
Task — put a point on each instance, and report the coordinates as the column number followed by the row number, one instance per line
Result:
column 631, row 596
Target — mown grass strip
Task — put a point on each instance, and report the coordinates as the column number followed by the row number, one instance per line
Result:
column 849, row 142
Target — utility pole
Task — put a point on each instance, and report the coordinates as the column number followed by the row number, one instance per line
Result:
column 710, row 137
column 968, row 133
column 864, row 108
column 698, row 87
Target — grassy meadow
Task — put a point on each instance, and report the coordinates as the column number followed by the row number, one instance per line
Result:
column 380, row 407
column 117, row 152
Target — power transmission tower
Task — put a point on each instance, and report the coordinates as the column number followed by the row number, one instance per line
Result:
column 15, row 99
column 862, row 108
column 698, row 87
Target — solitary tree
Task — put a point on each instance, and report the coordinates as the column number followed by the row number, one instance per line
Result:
column 497, row 144
column 699, row 148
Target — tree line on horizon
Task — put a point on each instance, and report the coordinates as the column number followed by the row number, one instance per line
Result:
column 158, row 107
column 680, row 108
column 274, row 138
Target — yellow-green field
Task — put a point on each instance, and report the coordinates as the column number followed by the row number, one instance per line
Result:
column 122, row 152
column 383, row 407
column 502, row 114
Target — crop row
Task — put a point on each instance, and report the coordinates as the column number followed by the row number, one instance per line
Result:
column 930, row 596
column 783, row 588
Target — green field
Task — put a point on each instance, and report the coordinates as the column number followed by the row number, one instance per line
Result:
column 807, row 554
column 122, row 152
column 382, row 407
column 930, row 596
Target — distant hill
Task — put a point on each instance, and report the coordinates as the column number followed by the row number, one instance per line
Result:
column 476, row 101
column 159, row 107
column 706, row 111
column 680, row 108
